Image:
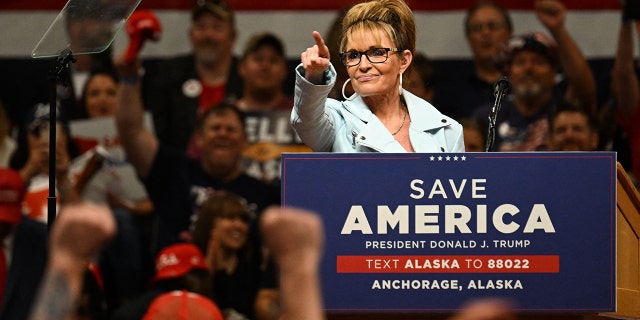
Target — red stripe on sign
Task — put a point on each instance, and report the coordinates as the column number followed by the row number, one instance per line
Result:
column 252, row 5
column 449, row 264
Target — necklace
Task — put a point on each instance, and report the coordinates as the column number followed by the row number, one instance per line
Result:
column 401, row 125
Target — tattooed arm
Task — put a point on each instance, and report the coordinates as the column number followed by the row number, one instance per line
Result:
column 79, row 232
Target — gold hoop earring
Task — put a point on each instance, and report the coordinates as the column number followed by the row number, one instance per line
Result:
column 344, row 85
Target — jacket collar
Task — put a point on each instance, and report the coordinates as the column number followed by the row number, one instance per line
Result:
column 373, row 137
column 429, row 117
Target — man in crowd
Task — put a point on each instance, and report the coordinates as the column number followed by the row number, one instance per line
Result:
column 263, row 68
column 572, row 128
column 178, row 90
column 531, row 62
column 176, row 184
column 487, row 26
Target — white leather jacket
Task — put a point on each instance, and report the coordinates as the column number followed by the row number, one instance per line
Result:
column 328, row 125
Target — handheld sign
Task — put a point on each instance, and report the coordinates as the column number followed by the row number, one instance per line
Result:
column 428, row 232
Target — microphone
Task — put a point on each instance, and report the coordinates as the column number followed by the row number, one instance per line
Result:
column 142, row 25
column 502, row 86
column 500, row 89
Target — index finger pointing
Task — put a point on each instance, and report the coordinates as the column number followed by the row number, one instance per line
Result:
column 323, row 51
column 318, row 38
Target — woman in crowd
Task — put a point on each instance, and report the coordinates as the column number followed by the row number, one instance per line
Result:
column 117, row 182
column 241, row 284
column 102, row 174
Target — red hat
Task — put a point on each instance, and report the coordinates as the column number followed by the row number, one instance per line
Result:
column 177, row 260
column 182, row 305
column 11, row 193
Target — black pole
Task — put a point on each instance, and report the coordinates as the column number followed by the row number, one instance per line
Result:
column 491, row 135
column 501, row 88
column 59, row 74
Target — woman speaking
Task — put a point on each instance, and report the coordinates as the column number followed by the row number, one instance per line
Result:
column 377, row 46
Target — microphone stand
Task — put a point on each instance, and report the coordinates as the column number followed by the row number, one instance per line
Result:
column 59, row 74
column 502, row 87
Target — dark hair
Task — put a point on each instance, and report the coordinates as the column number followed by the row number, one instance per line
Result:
column 220, row 109
column 483, row 4
column 34, row 122
column 220, row 204
column 5, row 124
column 219, row 8
column 82, row 104
column 472, row 123
column 576, row 107
column 260, row 40
column 424, row 67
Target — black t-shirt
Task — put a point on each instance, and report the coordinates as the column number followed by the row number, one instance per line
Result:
column 237, row 290
column 178, row 185
column 516, row 132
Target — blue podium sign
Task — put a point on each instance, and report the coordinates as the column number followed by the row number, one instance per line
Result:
column 428, row 232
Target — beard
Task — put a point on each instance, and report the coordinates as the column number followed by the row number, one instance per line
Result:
column 207, row 54
column 527, row 91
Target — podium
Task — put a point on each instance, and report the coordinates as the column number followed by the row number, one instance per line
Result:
column 628, row 239
column 627, row 264
column 591, row 280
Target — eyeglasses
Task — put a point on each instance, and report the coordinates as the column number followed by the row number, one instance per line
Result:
column 375, row 55
column 491, row 26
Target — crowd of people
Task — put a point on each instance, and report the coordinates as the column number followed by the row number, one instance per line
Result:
column 181, row 155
